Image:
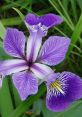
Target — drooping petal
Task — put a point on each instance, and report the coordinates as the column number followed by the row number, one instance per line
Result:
column 41, row 71
column 54, row 50
column 8, row 67
column 50, row 20
column 33, row 45
column 70, row 84
column 75, row 86
column 26, row 84
column 14, row 42
column 57, row 104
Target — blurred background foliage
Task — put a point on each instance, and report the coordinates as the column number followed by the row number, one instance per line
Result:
column 11, row 15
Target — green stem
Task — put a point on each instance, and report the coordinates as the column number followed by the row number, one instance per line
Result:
column 5, row 99
column 26, row 104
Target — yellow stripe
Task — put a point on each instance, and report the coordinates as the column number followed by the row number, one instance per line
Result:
column 57, row 86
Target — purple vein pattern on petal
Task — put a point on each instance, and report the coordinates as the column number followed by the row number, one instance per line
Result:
column 25, row 83
column 50, row 20
column 8, row 67
column 14, row 42
column 33, row 45
column 47, row 20
column 31, row 19
column 54, row 50
column 72, row 87
column 41, row 70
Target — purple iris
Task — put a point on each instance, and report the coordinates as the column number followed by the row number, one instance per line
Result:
column 28, row 65
column 31, row 64
column 62, row 89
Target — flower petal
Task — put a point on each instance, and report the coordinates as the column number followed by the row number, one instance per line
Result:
column 57, row 104
column 47, row 20
column 54, row 50
column 72, row 87
column 31, row 19
column 41, row 71
column 8, row 67
column 50, row 20
column 26, row 84
column 14, row 42
column 75, row 86
column 38, row 27
column 33, row 45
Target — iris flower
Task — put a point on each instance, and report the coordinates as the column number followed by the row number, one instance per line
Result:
column 31, row 62
column 62, row 90
column 28, row 64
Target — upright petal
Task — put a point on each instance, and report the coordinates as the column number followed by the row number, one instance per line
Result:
column 8, row 67
column 41, row 71
column 50, row 20
column 54, row 50
column 47, row 20
column 33, row 45
column 14, row 43
column 62, row 89
column 38, row 27
column 26, row 84
column 31, row 19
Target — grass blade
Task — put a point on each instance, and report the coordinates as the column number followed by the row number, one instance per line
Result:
column 20, row 14
column 2, row 31
column 25, row 105
column 76, row 34
column 61, row 14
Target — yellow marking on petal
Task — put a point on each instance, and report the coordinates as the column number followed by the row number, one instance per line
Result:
column 57, row 86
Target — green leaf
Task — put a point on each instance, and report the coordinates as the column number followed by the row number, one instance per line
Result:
column 73, row 3
column 20, row 14
column 16, row 96
column 26, row 104
column 6, row 105
column 74, row 111
column 11, row 21
column 37, row 107
column 66, row 13
column 80, row 4
column 2, row 30
column 76, row 34
column 66, row 19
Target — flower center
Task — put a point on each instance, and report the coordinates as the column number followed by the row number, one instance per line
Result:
column 57, row 85
column 29, row 64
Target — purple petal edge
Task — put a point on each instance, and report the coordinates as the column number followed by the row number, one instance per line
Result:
column 54, row 50
column 73, row 91
column 14, row 43
column 47, row 20
column 26, row 84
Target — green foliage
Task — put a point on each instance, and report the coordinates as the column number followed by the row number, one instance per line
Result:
column 2, row 30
